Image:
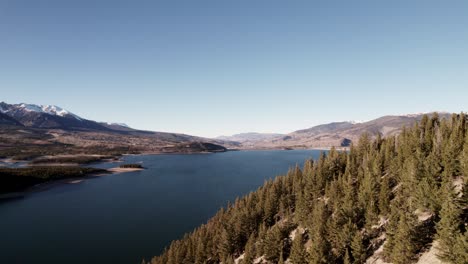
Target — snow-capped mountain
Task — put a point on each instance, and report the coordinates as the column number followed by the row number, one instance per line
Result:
column 24, row 108
column 118, row 124
column 354, row 122
column 55, row 110
column 52, row 116
column 47, row 116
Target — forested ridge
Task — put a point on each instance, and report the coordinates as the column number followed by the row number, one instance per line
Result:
column 401, row 193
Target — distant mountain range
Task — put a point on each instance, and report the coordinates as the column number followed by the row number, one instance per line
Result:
column 68, row 128
column 248, row 139
column 338, row 134
column 27, row 125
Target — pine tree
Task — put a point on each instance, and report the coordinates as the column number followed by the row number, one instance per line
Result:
column 464, row 168
column 281, row 258
column 271, row 206
column 298, row 253
column 347, row 258
column 272, row 246
column 385, row 195
column 349, row 203
column 262, row 233
column 358, row 248
column 391, row 228
column 229, row 260
column 340, row 235
column 228, row 242
column 249, row 253
column 367, row 197
column 301, row 208
column 201, row 244
column 448, row 228
column 404, row 250
column 320, row 248
column 460, row 249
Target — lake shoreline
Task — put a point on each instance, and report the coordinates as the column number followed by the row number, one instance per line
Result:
column 117, row 158
column 44, row 186
column 109, row 171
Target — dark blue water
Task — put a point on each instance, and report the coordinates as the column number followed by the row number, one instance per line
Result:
column 123, row 218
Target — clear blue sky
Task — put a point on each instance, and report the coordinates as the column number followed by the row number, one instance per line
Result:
column 222, row 67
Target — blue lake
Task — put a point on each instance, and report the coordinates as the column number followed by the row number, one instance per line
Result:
column 123, row 218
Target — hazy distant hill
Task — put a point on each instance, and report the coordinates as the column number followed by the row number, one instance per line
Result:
column 57, row 125
column 117, row 126
column 326, row 128
column 250, row 136
column 339, row 133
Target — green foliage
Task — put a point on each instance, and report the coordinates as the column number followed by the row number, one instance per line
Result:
column 448, row 228
column 358, row 248
column 272, row 245
column 229, row 260
column 249, row 252
column 298, row 253
column 320, row 247
column 385, row 195
column 281, row 258
column 404, row 250
column 347, row 258
column 276, row 242
column 460, row 252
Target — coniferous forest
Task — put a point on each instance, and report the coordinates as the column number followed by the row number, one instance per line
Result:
column 400, row 194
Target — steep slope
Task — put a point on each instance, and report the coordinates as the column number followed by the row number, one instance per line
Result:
column 21, row 109
column 379, row 203
column 7, row 120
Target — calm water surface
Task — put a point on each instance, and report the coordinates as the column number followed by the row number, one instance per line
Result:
column 124, row 218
